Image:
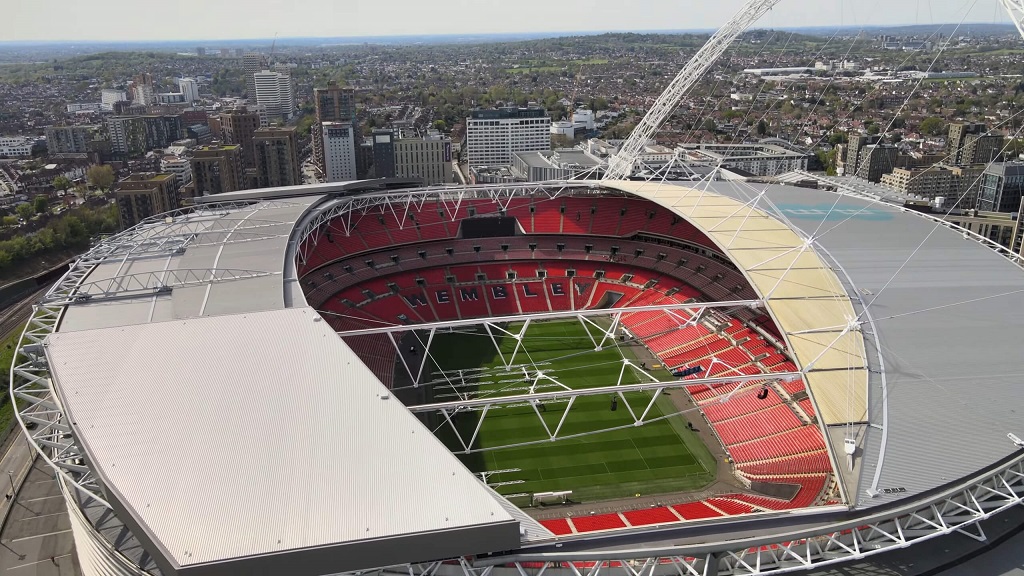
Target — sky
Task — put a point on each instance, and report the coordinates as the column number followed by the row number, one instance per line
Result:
column 121, row 20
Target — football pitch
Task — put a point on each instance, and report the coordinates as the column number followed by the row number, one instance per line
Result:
column 659, row 457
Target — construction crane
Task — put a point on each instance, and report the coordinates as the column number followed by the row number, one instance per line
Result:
column 572, row 96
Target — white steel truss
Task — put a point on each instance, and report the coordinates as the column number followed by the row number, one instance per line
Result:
column 958, row 510
column 621, row 165
column 149, row 283
column 340, row 216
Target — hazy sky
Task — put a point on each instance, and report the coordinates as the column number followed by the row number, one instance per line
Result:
column 115, row 20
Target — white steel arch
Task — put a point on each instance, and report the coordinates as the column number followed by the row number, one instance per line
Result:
column 1015, row 8
column 621, row 165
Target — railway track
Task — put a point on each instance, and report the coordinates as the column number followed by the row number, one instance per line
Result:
column 12, row 317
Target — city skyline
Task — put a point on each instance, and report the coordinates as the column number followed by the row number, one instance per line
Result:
column 259, row 19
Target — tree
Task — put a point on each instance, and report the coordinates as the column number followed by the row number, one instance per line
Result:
column 25, row 211
column 440, row 125
column 101, row 177
column 932, row 126
column 10, row 220
column 40, row 204
column 61, row 183
column 762, row 127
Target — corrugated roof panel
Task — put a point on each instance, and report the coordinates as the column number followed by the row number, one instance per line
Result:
column 250, row 434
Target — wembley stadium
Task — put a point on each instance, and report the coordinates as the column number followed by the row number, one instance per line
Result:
column 614, row 376
column 633, row 376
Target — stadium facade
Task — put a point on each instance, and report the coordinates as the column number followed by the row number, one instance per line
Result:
column 204, row 418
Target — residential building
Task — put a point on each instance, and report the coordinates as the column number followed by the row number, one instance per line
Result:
column 756, row 159
column 277, row 157
column 492, row 136
column 135, row 135
column 178, row 166
column 252, row 62
column 170, row 98
column 274, row 90
column 16, row 147
column 339, row 149
column 216, row 169
column 238, row 126
column 875, row 160
column 146, row 194
column 956, row 185
column 109, row 96
column 1003, row 228
column 189, row 88
column 383, row 153
column 143, row 90
column 972, row 144
column 333, row 104
column 69, row 139
column 850, row 160
column 1001, row 187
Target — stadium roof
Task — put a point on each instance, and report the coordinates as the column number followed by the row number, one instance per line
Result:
column 220, row 406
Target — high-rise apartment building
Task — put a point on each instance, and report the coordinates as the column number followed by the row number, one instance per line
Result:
column 339, row 149
column 851, row 160
column 428, row 158
column 69, row 139
column 238, row 126
column 132, row 136
column 216, row 169
column 143, row 90
column 146, row 194
column 957, row 185
column 383, row 153
column 1002, row 186
column 277, row 157
column 109, row 96
column 493, row 135
column 333, row 104
column 252, row 62
column 876, row 160
column 972, row 144
column 189, row 88
column 274, row 90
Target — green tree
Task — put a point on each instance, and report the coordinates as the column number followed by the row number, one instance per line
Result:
column 25, row 211
column 762, row 127
column 932, row 126
column 101, row 177
column 10, row 221
column 40, row 204
column 61, row 183
column 440, row 125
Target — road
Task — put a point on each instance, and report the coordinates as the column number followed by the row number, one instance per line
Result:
column 14, row 316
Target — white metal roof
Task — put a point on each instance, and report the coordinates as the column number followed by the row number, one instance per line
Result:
column 252, row 434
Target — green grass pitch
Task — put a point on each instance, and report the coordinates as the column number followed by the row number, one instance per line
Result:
column 658, row 457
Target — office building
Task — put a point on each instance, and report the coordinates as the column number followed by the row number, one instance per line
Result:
column 69, row 139
column 252, row 62
column 216, row 169
column 274, row 90
column 1001, row 186
column 16, row 147
column 189, row 88
column 170, row 98
column 492, row 136
column 428, row 158
column 143, row 90
column 956, row 185
column 142, row 195
column 339, row 149
column 756, row 159
column 561, row 164
column 277, row 157
column 238, row 126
